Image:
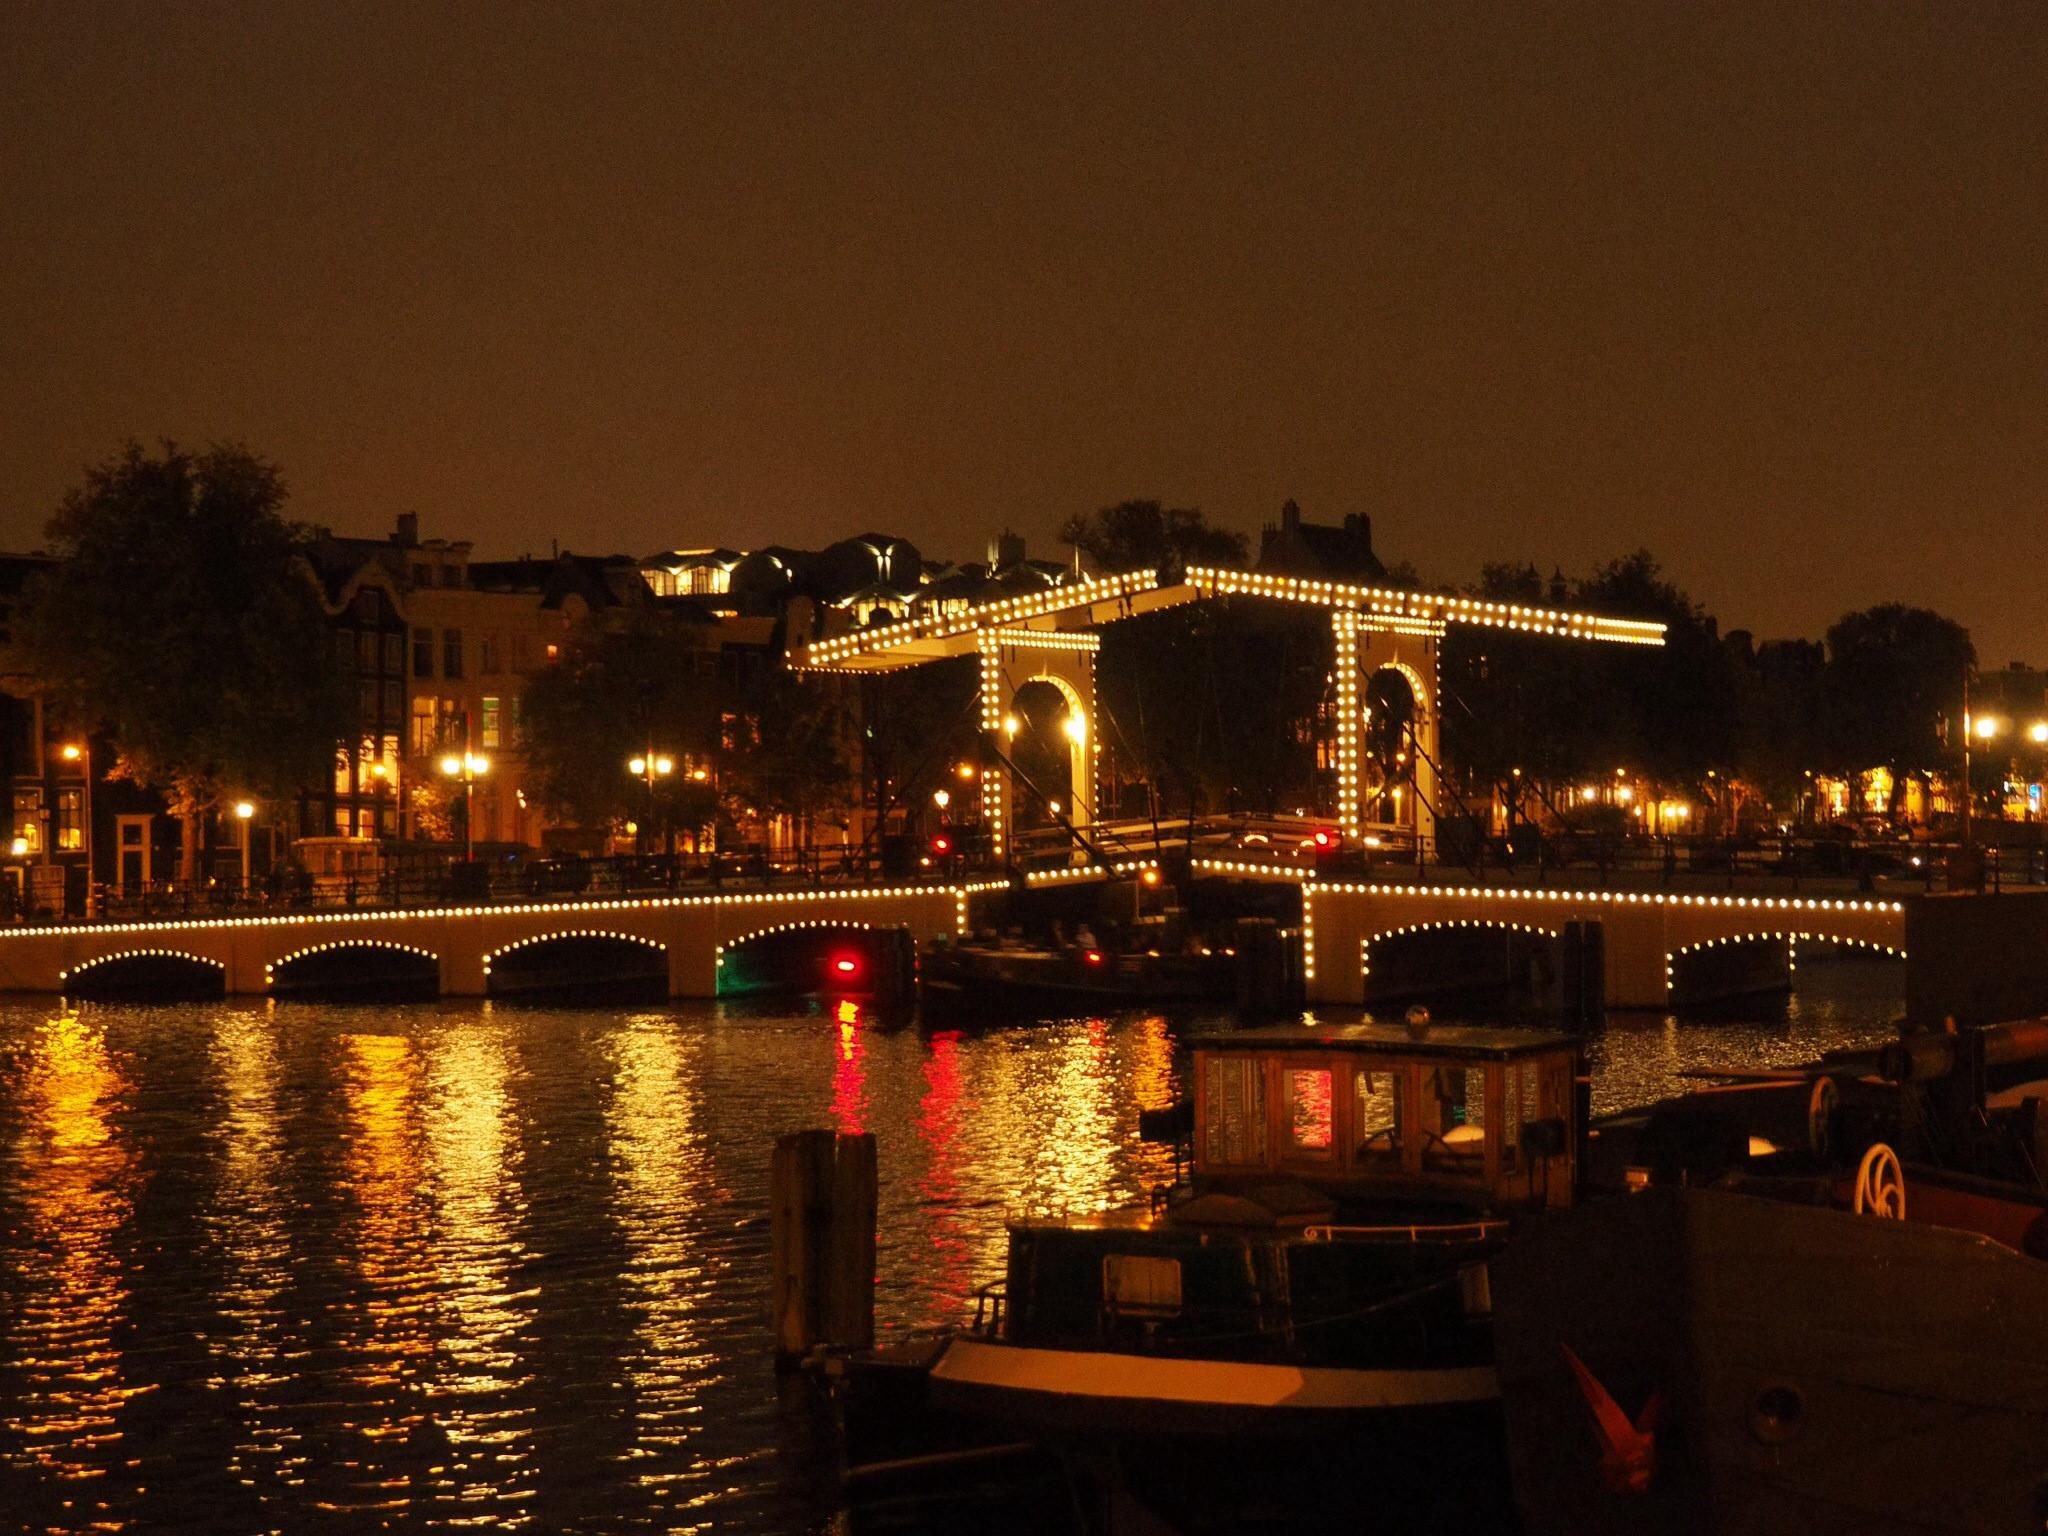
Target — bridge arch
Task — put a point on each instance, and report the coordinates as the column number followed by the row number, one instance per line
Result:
column 165, row 974
column 353, row 966
column 1510, row 965
column 1077, row 726
column 833, row 956
column 579, row 962
column 1732, row 981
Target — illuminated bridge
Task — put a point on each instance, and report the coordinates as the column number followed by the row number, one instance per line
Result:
column 675, row 946
column 1386, row 651
column 1644, row 937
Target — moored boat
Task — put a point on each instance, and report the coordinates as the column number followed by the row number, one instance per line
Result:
column 1318, row 1284
column 1824, row 1309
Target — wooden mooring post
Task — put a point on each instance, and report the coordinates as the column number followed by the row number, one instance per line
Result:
column 822, row 1243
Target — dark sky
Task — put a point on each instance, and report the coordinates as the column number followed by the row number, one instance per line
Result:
column 1759, row 287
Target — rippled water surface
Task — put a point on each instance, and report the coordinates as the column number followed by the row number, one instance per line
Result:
column 291, row 1268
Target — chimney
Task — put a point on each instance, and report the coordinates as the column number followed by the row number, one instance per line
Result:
column 408, row 534
column 1358, row 529
column 1290, row 516
column 1005, row 550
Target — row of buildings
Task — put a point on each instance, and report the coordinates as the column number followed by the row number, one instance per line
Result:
column 441, row 645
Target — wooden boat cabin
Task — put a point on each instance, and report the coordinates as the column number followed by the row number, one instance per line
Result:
column 1460, row 1114
column 1322, row 1275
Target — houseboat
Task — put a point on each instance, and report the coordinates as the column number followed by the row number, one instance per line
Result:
column 1318, row 1282
column 1823, row 1308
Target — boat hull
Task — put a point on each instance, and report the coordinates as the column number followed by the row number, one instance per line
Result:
column 1818, row 1371
column 1071, row 1389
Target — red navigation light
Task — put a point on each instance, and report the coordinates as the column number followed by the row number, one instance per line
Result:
column 846, row 965
column 942, row 845
column 1324, row 838
column 1093, row 957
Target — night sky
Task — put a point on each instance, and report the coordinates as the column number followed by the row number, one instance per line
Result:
column 1760, row 287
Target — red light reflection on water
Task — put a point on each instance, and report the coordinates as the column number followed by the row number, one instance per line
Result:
column 938, row 1127
column 1309, row 1106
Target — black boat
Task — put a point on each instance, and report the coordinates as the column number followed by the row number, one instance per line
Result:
column 1824, row 1309
column 1016, row 975
column 1318, row 1285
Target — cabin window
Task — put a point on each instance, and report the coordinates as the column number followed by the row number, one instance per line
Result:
column 1454, row 1119
column 1234, row 1132
column 1140, row 1285
column 1310, row 1111
column 1376, row 1116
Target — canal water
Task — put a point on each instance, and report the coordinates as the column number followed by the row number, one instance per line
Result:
column 446, row 1266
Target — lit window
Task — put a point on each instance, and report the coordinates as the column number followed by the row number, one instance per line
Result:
column 28, row 819
column 490, row 721
column 425, row 729
column 1454, row 1118
column 1140, row 1285
column 70, row 819
column 1376, row 1116
column 1309, row 1109
column 1235, row 1132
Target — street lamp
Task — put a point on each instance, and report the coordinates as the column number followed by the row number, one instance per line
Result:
column 468, row 767
column 80, row 752
column 244, row 810
column 650, row 767
column 942, row 798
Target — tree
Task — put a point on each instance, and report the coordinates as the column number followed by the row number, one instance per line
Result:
column 1676, row 709
column 1143, row 535
column 633, row 688
column 917, row 724
column 1894, row 676
column 1213, row 703
column 181, row 619
column 787, row 755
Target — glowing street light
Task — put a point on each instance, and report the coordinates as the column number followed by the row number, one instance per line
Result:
column 80, row 752
column 245, row 810
column 1076, row 728
column 649, row 767
column 942, row 798
column 2038, row 732
column 468, row 767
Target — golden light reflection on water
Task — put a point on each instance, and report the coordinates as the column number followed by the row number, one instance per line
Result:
column 1047, row 1120
column 481, row 1404
column 665, row 1174
column 248, row 1227
column 76, row 1185
column 390, row 1333
column 1154, row 1083
column 952, row 1255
